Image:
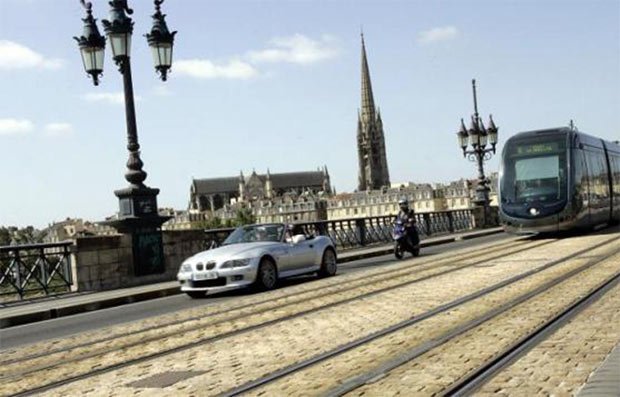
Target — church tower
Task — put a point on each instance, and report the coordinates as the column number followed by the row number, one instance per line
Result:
column 373, row 168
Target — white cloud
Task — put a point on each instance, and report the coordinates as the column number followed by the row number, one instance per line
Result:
column 15, row 126
column 438, row 34
column 17, row 56
column 206, row 69
column 114, row 98
column 58, row 129
column 296, row 49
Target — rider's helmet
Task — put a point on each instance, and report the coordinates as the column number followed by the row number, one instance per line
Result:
column 403, row 203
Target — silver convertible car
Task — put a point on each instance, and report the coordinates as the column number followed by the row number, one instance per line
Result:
column 257, row 255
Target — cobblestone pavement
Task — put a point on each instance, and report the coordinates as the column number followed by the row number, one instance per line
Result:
column 436, row 370
column 564, row 361
column 179, row 334
column 231, row 361
column 252, row 303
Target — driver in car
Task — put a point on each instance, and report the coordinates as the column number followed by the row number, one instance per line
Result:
column 260, row 234
column 294, row 230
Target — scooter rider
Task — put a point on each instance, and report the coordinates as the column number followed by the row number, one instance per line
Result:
column 407, row 216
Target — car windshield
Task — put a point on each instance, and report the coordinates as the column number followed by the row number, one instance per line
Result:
column 534, row 171
column 254, row 233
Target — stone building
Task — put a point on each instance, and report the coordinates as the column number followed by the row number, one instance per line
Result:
column 185, row 220
column 72, row 228
column 459, row 194
column 307, row 207
column 213, row 194
column 422, row 198
column 373, row 167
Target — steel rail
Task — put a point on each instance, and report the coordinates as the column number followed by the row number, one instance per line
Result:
column 488, row 370
column 266, row 323
column 101, row 370
column 358, row 381
column 433, row 263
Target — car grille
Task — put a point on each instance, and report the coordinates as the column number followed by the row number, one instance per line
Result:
column 209, row 265
column 218, row 282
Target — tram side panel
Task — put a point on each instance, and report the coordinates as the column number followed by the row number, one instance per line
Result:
column 613, row 151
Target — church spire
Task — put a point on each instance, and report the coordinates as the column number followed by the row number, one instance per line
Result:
column 368, row 101
column 373, row 168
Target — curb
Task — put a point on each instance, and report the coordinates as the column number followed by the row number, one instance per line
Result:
column 48, row 314
column 62, row 311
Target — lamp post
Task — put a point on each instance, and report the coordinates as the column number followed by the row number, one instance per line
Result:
column 478, row 137
column 138, row 213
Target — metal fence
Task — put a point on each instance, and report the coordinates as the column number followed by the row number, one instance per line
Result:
column 360, row 232
column 34, row 270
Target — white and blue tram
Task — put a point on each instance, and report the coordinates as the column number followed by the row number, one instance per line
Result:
column 558, row 179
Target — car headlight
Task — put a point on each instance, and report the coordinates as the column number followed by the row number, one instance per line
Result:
column 235, row 263
column 186, row 268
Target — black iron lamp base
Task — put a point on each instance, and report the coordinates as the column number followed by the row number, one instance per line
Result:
column 139, row 217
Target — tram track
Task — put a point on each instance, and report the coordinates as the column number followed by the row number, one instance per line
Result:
column 34, row 372
column 14, row 355
column 278, row 302
column 256, row 387
column 484, row 373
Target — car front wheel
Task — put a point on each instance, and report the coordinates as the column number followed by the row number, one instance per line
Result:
column 267, row 275
column 328, row 264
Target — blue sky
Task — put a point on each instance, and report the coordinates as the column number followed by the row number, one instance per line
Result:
column 276, row 84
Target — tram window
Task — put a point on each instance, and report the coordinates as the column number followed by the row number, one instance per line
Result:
column 581, row 178
column 534, row 170
column 615, row 161
column 538, row 178
column 599, row 187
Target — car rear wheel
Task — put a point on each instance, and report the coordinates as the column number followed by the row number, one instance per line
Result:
column 328, row 264
column 196, row 294
column 267, row 275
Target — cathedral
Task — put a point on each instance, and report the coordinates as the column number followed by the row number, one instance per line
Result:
column 373, row 168
column 213, row 194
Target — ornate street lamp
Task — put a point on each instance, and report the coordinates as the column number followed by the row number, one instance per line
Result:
column 92, row 45
column 138, row 213
column 478, row 137
column 161, row 41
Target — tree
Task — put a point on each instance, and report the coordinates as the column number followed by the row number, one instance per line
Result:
column 12, row 234
column 5, row 236
column 211, row 223
column 244, row 216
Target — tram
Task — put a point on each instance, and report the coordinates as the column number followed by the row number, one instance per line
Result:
column 558, row 179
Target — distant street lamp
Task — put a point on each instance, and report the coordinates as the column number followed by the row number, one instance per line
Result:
column 138, row 203
column 479, row 137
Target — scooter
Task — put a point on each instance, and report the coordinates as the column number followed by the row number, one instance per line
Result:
column 402, row 240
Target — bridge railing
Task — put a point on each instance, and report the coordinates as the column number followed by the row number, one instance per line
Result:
column 34, row 270
column 359, row 232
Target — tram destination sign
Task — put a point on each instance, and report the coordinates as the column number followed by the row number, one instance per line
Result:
column 538, row 148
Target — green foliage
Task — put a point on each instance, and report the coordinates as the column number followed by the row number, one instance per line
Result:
column 15, row 235
column 244, row 217
column 212, row 223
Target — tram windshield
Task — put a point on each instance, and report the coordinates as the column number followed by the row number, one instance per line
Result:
column 534, row 170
